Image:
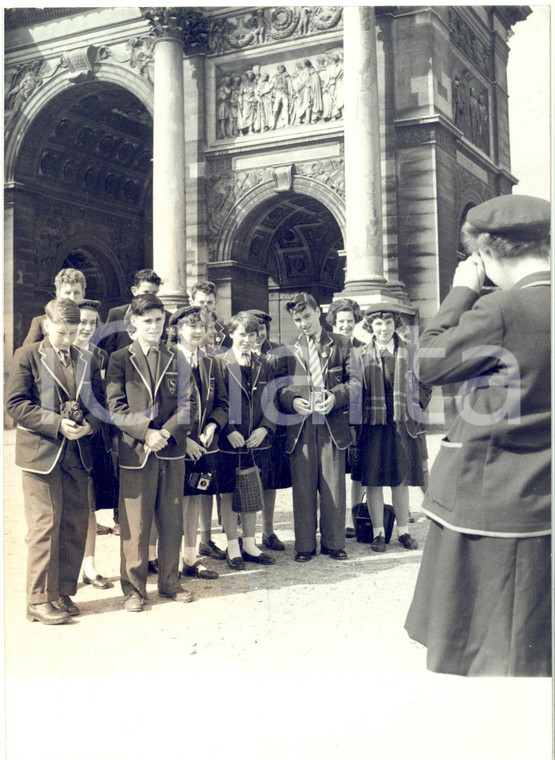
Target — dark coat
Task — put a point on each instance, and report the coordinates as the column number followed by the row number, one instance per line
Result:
column 135, row 407
column 335, row 355
column 36, row 331
column 492, row 474
column 248, row 405
column 36, row 389
column 112, row 341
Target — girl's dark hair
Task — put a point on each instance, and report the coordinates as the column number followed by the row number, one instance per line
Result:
column 245, row 320
column 343, row 304
column 370, row 318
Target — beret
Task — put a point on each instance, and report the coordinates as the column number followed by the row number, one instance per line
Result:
column 259, row 314
column 522, row 217
column 185, row 311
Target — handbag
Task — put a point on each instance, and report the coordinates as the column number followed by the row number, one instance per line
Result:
column 248, row 495
column 363, row 522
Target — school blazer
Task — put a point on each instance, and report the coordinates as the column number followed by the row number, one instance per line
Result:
column 339, row 378
column 211, row 398
column 258, row 402
column 36, row 331
column 36, row 390
column 135, row 406
column 492, row 473
column 113, row 341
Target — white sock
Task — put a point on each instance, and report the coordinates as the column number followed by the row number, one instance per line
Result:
column 402, row 529
column 379, row 531
column 89, row 568
column 233, row 548
column 250, row 546
column 189, row 555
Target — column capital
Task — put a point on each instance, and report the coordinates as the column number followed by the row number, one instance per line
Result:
column 186, row 25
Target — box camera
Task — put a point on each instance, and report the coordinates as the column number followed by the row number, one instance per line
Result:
column 316, row 397
column 70, row 410
column 200, row 480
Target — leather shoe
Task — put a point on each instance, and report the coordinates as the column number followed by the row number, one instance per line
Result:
column 305, row 556
column 378, row 544
column 272, row 542
column 99, row 581
column 350, row 533
column 408, row 541
column 153, row 566
column 209, row 549
column 66, row 604
column 134, row 602
column 199, row 571
column 103, row 530
column 46, row 613
column 237, row 563
column 261, row 559
column 179, row 595
column 334, row 553
column 116, row 530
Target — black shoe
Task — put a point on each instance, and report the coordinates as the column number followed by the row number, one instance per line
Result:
column 99, row 581
column 134, row 602
column 378, row 544
column 153, row 566
column 272, row 542
column 237, row 563
column 408, row 541
column 198, row 571
column 261, row 559
column 350, row 533
column 46, row 613
column 209, row 549
column 103, row 530
column 65, row 604
column 181, row 594
column 334, row 553
column 305, row 556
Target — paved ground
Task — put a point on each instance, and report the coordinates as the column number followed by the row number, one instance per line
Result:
column 292, row 661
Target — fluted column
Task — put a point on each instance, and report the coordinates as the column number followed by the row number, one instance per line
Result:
column 363, row 178
column 173, row 28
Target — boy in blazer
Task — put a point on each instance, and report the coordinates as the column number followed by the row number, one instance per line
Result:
column 69, row 283
column 316, row 441
column 51, row 387
column 154, row 416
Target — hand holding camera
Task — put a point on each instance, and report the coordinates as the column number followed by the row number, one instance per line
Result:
column 322, row 401
column 73, row 425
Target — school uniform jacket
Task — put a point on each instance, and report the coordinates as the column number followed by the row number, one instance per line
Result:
column 113, row 341
column 335, row 357
column 211, row 398
column 135, row 406
column 36, row 330
column 492, row 474
column 256, row 401
column 36, row 390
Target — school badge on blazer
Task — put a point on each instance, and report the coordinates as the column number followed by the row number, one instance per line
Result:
column 171, row 384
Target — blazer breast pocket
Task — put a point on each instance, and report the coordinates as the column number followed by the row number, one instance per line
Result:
column 170, row 382
column 335, row 376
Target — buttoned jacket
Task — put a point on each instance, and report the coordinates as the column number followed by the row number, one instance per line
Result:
column 135, row 406
column 37, row 388
column 492, row 475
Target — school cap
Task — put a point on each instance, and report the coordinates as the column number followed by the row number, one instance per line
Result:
column 520, row 217
column 262, row 315
column 185, row 311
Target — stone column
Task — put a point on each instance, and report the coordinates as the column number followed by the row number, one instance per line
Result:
column 363, row 177
column 174, row 29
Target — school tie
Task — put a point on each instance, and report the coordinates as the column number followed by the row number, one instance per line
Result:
column 245, row 360
column 64, row 358
column 152, row 360
column 194, row 360
column 314, row 365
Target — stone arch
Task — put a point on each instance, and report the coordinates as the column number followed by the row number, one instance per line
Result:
column 266, row 192
column 107, row 72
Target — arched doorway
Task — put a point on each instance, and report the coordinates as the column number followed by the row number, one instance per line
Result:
column 289, row 242
column 82, row 196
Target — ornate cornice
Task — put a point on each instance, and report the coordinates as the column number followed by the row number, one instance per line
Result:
column 187, row 25
column 17, row 17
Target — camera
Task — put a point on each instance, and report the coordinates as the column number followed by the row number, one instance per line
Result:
column 200, row 480
column 316, row 397
column 70, row 410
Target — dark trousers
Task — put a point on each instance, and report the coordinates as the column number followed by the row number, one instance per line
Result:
column 318, row 467
column 57, row 513
column 153, row 493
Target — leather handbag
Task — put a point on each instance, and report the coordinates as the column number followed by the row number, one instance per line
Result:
column 363, row 522
column 248, row 495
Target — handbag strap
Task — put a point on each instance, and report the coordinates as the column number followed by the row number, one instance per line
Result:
column 248, row 451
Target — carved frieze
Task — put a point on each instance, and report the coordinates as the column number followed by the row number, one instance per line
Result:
column 467, row 41
column 26, row 80
column 263, row 25
column 265, row 98
column 330, row 171
column 470, row 189
column 80, row 63
column 471, row 114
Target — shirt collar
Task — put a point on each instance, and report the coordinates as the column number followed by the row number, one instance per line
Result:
column 238, row 354
column 145, row 346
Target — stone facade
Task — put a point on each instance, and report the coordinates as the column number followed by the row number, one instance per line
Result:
column 262, row 148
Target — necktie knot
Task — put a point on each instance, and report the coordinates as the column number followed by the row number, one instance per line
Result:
column 245, row 360
column 64, row 357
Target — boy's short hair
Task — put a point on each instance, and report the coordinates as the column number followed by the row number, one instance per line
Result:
column 243, row 319
column 145, row 302
column 205, row 286
column 146, row 275
column 63, row 310
column 300, row 301
column 70, row 277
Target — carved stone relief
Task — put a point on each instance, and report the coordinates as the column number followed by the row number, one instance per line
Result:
column 467, row 41
column 470, row 101
column 26, row 80
column 330, row 171
column 267, row 98
column 264, row 25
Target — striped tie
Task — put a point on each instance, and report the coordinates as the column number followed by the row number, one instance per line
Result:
column 314, row 365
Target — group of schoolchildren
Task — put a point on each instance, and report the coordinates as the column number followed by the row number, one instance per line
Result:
column 154, row 415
